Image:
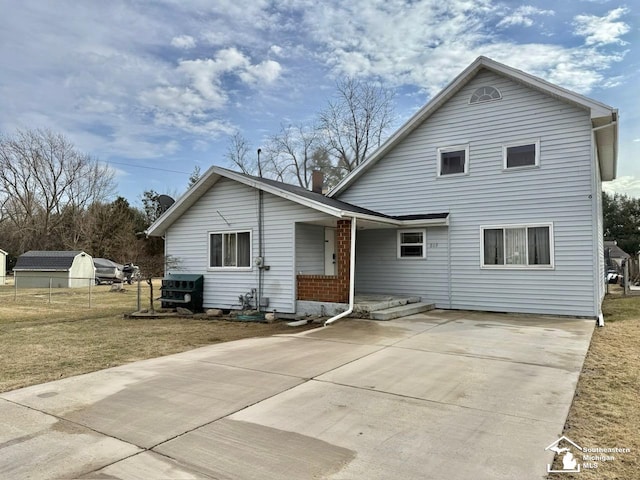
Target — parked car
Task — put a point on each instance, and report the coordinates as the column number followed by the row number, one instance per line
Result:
column 613, row 276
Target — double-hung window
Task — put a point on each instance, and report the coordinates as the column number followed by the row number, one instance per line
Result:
column 453, row 160
column 521, row 155
column 412, row 244
column 517, row 246
column 230, row 250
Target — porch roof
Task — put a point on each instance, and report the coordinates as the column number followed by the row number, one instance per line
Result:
column 316, row 201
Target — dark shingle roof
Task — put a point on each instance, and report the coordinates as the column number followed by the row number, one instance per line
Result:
column 332, row 202
column 615, row 251
column 46, row 260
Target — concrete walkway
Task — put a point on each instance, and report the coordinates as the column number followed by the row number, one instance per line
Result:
column 447, row 394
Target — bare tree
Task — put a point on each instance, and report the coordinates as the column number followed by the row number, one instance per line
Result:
column 155, row 266
column 45, row 181
column 356, row 121
column 290, row 153
column 239, row 155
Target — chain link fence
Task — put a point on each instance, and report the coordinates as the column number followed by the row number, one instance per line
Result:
column 44, row 288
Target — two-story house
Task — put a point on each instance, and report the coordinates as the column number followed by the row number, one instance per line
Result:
column 488, row 198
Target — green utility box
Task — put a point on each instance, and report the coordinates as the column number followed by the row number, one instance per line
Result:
column 182, row 290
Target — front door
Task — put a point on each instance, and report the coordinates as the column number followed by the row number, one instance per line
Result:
column 329, row 251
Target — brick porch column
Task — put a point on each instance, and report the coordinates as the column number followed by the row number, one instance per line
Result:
column 343, row 254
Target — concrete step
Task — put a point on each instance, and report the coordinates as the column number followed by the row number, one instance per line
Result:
column 402, row 311
column 365, row 307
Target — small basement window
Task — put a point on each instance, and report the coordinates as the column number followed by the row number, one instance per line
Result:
column 230, row 250
column 412, row 244
column 523, row 154
column 453, row 160
column 485, row 94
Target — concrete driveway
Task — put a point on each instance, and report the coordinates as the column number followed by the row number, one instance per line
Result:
column 447, row 394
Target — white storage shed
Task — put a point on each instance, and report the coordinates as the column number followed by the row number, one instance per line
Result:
column 60, row 269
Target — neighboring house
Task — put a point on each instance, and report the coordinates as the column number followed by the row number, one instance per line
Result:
column 3, row 267
column 615, row 254
column 488, row 198
column 60, row 269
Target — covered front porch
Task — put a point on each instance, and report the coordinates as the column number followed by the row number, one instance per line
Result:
column 323, row 262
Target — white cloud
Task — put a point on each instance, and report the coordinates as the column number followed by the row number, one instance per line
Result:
column 627, row 185
column 264, row 72
column 183, row 41
column 430, row 43
column 171, row 98
column 602, row 30
column 275, row 49
column 106, row 73
column 523, row 16
column 197, row 93
column 206, row 75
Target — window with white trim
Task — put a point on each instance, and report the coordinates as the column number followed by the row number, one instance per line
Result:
column 230, row 249
column 522, row 154
column 517, row 246
column 412, row 243
column 453, row 160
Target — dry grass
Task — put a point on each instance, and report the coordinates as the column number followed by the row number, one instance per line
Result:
column 41, row 341
column 605, row 409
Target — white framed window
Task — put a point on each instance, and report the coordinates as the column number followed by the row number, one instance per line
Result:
column 453, row 160
column 517, row 246
column 230, row 250
column 412, row 243
column 485, row 94
column 518, row 155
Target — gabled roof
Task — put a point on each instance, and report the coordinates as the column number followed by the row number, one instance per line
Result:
column 614, row 250
column 603, row 117
column 302, row 196
column 41, row 260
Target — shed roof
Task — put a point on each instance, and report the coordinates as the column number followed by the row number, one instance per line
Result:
column 46, row 260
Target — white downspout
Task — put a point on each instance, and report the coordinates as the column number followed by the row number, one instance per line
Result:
column 600, row 317
column 352, row 276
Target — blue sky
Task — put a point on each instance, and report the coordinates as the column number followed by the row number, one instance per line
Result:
column 156, row 88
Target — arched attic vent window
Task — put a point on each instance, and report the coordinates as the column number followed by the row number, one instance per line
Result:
column 485, row 94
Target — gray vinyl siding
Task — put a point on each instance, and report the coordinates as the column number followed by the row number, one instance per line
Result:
column 558, row 191
column 187, row 242
column 309, row 249
column 376, row 258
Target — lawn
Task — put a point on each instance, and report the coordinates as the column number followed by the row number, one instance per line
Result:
column 605, row 409
column 44, row 339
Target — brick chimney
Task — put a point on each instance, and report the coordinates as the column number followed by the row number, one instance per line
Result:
column 317, row 181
